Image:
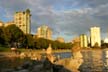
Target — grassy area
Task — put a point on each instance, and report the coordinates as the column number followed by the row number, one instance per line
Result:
column 4, row 49
column 43, row 51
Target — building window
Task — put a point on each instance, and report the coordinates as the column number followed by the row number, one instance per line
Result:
column 19, row 18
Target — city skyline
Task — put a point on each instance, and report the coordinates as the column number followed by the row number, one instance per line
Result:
column 67, row 18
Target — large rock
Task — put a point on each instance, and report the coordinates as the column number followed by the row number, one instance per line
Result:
column 24, row 70
column 7, row 70
column 60, row 68
column 27, row 65
column 38, row 66
column 73, row 63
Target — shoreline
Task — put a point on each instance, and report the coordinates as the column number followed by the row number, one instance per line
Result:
column 28, row 51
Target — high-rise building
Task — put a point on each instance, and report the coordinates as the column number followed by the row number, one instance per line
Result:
column 83, row 40
column 95, row 36
column 23, row 20
column 44, row 32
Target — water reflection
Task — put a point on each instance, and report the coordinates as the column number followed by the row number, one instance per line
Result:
column 94, row 61
column 105, row 60
column 11, row 62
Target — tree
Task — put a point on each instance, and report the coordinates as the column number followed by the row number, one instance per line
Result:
column 96, row 45
column 29, row 41
column 68, row 45
column 2, row 36
column 13, row 34
column 104, row 45
column 41, row 43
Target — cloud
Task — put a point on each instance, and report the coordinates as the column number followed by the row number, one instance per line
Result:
column 65, row 17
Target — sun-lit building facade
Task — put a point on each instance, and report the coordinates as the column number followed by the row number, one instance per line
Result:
column 95, row 36
column 44, row 32
column 22, row 19
column 83, row 40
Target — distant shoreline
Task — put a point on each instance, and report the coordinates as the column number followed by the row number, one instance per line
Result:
column 10, row 53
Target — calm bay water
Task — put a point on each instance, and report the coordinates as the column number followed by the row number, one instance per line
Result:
column 8, row 63
column 63, row 54
column 15, row 62
column 94, row 61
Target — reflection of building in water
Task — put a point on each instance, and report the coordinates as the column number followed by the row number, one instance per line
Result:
column 105, row 60
column 87, row 61
column 93, row 61
column 97, row 60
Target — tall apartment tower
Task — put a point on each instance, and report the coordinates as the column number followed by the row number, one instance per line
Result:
column 44, row 32
column 95, row 36
column 23, row 21
column 83, row 40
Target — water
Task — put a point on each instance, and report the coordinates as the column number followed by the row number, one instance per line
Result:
column 63, row 55
column 15, row 62
column 94, row 61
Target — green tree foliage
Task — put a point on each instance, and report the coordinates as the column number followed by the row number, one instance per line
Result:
column 96, row 45
column 2, row 36
column 28, row 41
column 13, row 34
column 41, row 43
column 104, row 45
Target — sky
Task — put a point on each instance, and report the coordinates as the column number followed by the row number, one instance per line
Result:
column 66, row 18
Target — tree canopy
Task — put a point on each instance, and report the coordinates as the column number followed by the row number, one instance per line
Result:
column 13, row 34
